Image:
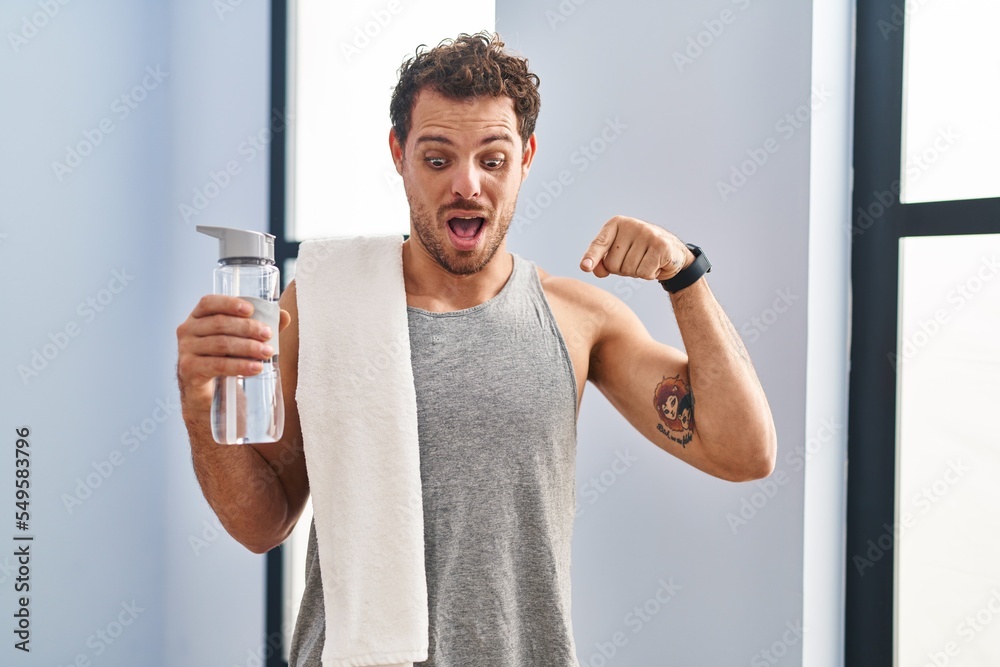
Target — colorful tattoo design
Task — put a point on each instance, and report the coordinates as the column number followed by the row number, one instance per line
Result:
column 675, row 405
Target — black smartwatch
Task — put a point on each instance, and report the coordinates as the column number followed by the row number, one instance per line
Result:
column 687, row 276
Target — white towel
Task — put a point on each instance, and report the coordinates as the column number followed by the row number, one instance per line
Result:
column 358, row 412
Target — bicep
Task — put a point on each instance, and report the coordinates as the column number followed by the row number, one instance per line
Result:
column 649, row 384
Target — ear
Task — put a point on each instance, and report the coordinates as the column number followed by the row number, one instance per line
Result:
column 397, row 151
column 528, row 156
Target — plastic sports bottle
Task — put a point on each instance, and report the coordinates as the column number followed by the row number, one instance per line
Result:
column 249, row 408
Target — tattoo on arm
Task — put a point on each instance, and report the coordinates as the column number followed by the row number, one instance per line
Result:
column 674, row 404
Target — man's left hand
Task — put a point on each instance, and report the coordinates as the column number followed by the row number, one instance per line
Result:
column 635, row 249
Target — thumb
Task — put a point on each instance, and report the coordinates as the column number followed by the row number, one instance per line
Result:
column 599, row 246
column 285, row 320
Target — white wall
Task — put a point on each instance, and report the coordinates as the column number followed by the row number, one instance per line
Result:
column 61, row 240
column 214, row 590
column 65, row 238
column 684, row 125
column 679, row 132
column 830, row 183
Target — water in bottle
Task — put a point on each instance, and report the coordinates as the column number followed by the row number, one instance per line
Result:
column 249, row 408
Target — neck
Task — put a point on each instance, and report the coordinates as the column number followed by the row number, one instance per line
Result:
column 431, row 287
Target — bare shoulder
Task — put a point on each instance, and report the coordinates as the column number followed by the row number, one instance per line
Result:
column 573, row 293
column 582, row 301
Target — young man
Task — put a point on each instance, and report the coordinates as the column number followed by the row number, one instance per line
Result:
column 501, row 352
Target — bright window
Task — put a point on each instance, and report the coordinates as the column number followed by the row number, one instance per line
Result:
column 345, row 57
column 948, row 462
column 951, row 100
column 343, row 63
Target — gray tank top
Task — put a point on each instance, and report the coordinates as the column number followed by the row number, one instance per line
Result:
column 496, row 419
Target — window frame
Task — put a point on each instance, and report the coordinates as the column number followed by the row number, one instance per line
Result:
column 871, row 479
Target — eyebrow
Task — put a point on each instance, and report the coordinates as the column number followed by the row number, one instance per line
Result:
column 438, row 139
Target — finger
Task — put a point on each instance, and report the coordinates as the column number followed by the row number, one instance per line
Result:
column 649, row 267
column 616, row 254
column 601, row 271
column 226, row 346
column 215, row 304
column 286, row 319
column 598, row 248
column 633, row 258
column 194, row 369
column 228, row 325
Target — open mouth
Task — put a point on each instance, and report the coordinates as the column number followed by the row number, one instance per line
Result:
column 465, row 231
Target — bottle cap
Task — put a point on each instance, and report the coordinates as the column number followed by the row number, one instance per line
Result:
column 241, row 242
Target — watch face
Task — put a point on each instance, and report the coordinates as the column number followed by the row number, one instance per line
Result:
column 699, row 256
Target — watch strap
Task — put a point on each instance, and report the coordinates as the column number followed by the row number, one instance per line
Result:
column 689, row 274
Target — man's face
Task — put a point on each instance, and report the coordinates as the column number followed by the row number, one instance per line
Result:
column 462, row 167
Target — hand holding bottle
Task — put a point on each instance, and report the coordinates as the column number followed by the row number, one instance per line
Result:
column 247, row 405
column 219, row 338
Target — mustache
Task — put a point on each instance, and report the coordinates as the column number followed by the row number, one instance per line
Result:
column 464, row 205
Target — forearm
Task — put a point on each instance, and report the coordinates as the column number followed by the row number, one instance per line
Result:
column 241, row 486
column 732, row 416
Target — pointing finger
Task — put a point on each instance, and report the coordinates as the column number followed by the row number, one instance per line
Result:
column 599, row 246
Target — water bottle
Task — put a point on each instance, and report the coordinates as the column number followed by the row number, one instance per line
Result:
column 249, row 408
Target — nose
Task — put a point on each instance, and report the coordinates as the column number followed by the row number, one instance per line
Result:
column 466, row 181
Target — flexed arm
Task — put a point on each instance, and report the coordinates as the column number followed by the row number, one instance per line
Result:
column 704, row 405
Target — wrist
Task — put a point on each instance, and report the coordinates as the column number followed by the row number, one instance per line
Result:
column 692, row 272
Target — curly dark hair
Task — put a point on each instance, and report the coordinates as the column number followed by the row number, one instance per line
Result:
column 469, row 66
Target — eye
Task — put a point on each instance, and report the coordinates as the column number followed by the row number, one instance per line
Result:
column 436, row 162
column 494, row 162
